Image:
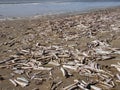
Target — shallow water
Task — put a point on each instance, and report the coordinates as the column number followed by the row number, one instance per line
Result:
column 43, row 8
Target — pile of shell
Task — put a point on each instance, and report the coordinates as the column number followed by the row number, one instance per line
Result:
column 45, row 59
column 38, row 62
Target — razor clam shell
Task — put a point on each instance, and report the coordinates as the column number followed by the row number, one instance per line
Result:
column 73, row 87
column 82, row 87
column 22, row 84
column 83, row 82
column 95, row 88
column 27, row 67
column 55, row 55
column 22, row 79
column 104, row 86
column 118, row 76
column 64, row 72
column 64, row 56
column 6, row 60
column 42, row 68
column 70, row 86
column 107, row 57
column 112, row 82
column 19, row 71
column 108, row 80
column 117, row 52
column 70, row 63
column 54, row 63
column 56, row 85
column 105, row 83
column 116, row 66
column 13, row 82
column 94, row 69
column 25, row 51
column 103, row 52
column 70, row 67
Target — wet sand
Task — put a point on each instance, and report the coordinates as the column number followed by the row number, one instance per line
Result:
column 69, row 31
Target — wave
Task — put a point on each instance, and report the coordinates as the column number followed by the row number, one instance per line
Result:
column 39, row 3
column 50, row 1
column 33, row 2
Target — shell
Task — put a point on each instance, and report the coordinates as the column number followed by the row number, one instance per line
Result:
column 13, row 82
column 19, row 71
column 70, row 67
column 64, row 72
column 95, row 88
column 22, row 84
column 118, row 76
column 42, row 68
column 69, row 87
column 22, row 79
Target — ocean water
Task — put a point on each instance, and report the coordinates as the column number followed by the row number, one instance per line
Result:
column 25, row 8
column 40, row 1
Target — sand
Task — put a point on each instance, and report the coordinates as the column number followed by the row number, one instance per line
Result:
column 58, row 30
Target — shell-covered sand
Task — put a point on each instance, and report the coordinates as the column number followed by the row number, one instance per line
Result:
column 62, row 39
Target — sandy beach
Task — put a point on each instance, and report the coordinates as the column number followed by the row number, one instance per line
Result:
column 42, row 49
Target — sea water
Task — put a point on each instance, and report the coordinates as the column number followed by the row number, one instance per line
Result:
column 25, row 8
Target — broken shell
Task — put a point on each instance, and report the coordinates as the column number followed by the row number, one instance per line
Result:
column 19, row 71
column 101, row 51
column 42, row 68
column 56, row 85
column 70, row 67
column 22, row 79
column 71, row 86
column 22, row 84
column 54, row 63
column 118, row 76
column 95, row 88
column 116, row 66
column 82, row 87
column 36, row 89
column 13, row 82
column 105, row 83
column 64, row 72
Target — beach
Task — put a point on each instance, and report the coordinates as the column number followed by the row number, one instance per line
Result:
column 43, row 49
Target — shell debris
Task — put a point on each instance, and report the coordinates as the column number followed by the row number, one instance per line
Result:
column 81, row 48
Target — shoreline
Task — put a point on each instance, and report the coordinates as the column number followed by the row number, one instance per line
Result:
column 42, row 9
column 63, row 14
column 68, row 14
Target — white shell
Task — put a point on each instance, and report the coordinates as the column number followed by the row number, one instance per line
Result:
column 22, row 84
column 95, row 88
column 22, row 79
column 13, row 82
